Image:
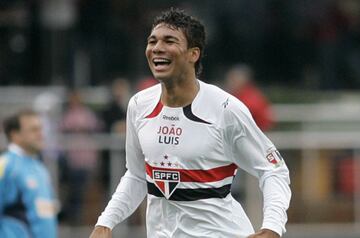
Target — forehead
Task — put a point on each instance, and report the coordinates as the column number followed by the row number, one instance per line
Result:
column 164, row 30
column 29, row 120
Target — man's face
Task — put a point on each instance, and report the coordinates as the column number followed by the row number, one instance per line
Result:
column 168, row 54
column 30, row 136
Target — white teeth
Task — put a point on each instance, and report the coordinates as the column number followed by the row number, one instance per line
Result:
column 161, row 60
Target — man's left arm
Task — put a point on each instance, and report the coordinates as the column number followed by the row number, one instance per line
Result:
column 274, row 183
column 252, row 151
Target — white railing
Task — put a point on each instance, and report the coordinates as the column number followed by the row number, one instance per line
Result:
column 323, row 126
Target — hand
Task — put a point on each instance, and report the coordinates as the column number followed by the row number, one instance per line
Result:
column 101, row 232
column 265, row 233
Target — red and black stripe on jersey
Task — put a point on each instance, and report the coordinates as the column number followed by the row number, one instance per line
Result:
column 195, row 176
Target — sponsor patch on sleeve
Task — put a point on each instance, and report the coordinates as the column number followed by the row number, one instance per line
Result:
column 275, row 158
column 31, row 183
column 46, row 208
column 3, row 162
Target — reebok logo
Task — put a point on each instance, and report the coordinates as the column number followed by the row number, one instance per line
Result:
column 171, row 118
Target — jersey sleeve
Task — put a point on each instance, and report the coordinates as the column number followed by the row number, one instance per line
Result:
column 3, row 166
column 253, row 152
column 132, row 188
column 8, row 189
column 8, row 186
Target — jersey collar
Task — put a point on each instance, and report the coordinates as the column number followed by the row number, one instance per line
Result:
column 16, row 149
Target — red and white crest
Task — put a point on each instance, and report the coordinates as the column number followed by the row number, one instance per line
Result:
column 274, row 157
column 166, row 181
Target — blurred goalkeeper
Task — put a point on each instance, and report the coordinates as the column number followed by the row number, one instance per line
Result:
column 185, row 140
column 27, row 207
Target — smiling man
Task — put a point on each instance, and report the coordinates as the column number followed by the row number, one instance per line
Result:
column 185, row 141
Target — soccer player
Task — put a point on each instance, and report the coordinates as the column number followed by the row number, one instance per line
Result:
column 185, row 140
column 27, row 207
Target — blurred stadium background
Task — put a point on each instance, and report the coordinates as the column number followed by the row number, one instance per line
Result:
column 306, row 58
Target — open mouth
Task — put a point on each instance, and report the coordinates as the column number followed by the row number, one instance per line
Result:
column 161, row 62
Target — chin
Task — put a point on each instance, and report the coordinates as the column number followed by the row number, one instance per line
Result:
column 161, row 77
column 38, row 148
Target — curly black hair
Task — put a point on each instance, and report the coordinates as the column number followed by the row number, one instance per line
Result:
column 192, row 28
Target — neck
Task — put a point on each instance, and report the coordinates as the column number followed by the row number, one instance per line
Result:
column 20, row 150
column 179, row 93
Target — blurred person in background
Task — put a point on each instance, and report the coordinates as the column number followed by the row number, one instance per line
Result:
column 114, row 120
column 239, row 82
column 81, row 159
column 185, row 140
column 145, row 83
column 27, row 204
column 114, row 114
column 48, row 105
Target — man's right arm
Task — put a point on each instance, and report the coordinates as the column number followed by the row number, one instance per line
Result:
column 127, row 197
column 132, row 188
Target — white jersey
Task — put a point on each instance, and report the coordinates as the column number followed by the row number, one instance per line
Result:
column 185, row 159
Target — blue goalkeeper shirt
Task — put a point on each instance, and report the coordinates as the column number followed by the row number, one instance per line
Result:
column 27, row 204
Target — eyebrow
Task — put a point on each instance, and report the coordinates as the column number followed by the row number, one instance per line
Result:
column 166, row 37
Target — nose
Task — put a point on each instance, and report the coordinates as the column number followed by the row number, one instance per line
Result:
column 158, row 47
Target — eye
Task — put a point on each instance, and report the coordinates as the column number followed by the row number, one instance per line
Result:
column 151, row 42
column 170, row 42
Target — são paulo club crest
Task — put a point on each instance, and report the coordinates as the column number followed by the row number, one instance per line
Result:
column 166, row 181
column 275, row 158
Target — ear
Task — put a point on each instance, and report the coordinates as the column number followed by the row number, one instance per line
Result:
column 194, row 54
column 14, row 136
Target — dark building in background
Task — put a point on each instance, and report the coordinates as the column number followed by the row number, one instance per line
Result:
column 310, row 44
